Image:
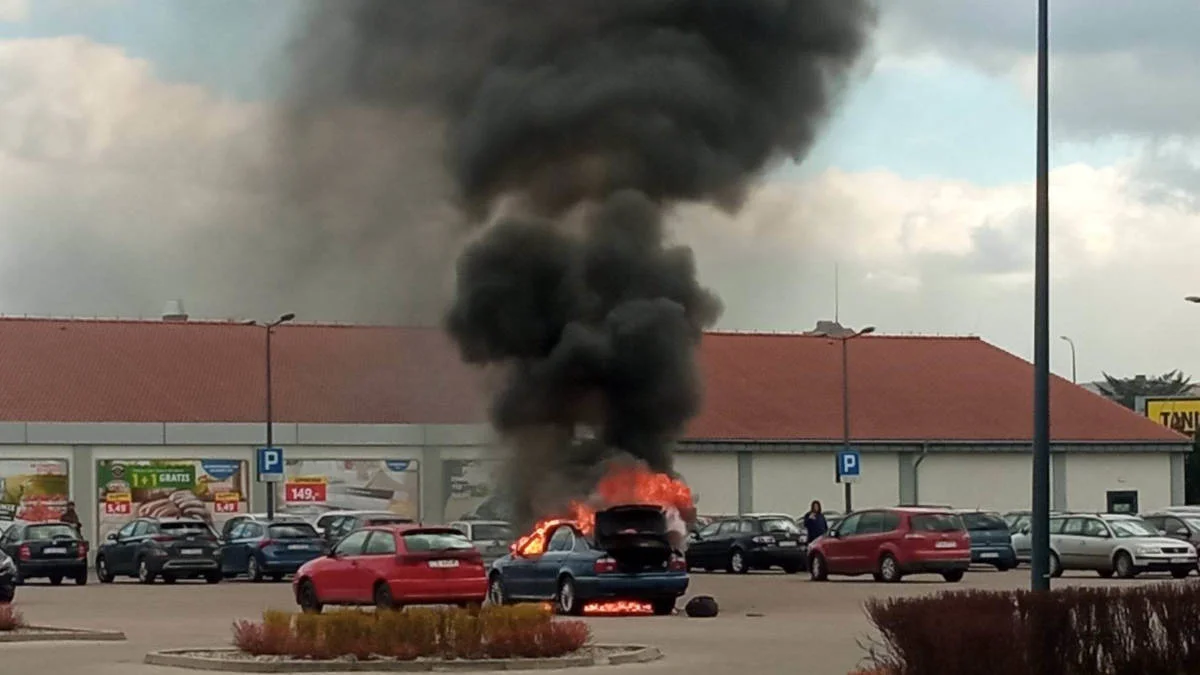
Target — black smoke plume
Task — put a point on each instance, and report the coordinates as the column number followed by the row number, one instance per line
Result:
column 570, row 128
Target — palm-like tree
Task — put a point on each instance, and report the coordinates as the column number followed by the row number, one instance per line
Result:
column 1126, row 390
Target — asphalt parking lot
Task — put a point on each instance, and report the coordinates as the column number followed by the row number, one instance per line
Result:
column 770, row 622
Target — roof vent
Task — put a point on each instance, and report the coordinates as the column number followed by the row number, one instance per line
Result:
column 174, row 311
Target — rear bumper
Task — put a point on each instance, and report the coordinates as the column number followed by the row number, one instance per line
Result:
column 34, row 569
column 994, row 555
column 630, row 587
column 778, row 557
column 285, row 566
column 448, row 590
column 183, row 565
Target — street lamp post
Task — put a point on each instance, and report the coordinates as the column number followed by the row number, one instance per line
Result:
column 846, row 486
column 1071, row 342
column 270, row 400
column 1040, row 519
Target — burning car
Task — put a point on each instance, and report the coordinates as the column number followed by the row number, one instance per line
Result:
column 620, row 561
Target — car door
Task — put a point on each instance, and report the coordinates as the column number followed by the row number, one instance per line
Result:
column 1096, row 545
column 700, row 549
column 1174, row 527
column 119, row 555
column 9, row 542
column 838, row 549
column 545, row 576
column 251, row 533
column 378, row 561
column 337, row 580
column 230, row 542
column 864, row 544
column 1069, row 544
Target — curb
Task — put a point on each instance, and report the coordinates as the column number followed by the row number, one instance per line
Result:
column 56, row 634
column 181, row 658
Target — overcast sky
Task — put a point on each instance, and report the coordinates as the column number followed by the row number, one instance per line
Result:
column 131, row 160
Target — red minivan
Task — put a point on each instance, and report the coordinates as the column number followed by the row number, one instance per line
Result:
column 392, row 566
column 893, row 543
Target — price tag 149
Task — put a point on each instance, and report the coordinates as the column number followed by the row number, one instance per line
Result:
column 304, row 492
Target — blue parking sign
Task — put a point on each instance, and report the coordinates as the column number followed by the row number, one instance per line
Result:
column 270, row 465
column 848, row 467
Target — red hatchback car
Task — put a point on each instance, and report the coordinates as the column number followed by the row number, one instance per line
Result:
column 392, row 566
column 892, row 543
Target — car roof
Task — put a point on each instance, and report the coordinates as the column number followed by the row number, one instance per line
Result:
column 473, row 523
column 184, row 519
column 769, row 515
column 916, row 510
column 412, row 528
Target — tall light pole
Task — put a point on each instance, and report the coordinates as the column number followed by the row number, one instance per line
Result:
column 846, row 338
column 1040, row 520
column 270, row 400
column 1072, row 343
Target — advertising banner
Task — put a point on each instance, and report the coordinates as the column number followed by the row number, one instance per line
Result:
column 1180, row 414
column 33, row 490
column 212, row 490
column 471, row 489
column 355, row 484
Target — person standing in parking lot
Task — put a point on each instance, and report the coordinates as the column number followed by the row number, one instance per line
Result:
column 814, row 521
column 69, row 516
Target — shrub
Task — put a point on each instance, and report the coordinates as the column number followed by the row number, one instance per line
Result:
column 1074, row 631
column 10, row 618
column 490, row 632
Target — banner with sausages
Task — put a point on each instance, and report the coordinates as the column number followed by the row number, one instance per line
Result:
column 32, row 490
column 211, row 490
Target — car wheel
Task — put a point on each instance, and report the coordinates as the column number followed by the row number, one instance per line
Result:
column 81, row 579
column 102, row 572
column 663, row 606
column 567, row 600
column 56, row 580
column 1123, row 564
column 383, row 596
column 7, row 593
column 144, row 574
column 889, row 569
column 306, row 597
column 496, row 595
column 1004, row 567
column 254, row 570
column 791, row 568
column 816, row 568
column 1056, row 568
column 953, row 577
column 737, row 562
column 277, row 578
column 169, row 578
column 212, row 578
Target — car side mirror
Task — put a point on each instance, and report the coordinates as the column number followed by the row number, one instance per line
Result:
column 832, row 534
column 112, row 536
column 1182, row 532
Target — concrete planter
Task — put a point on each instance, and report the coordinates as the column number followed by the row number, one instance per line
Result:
column 55, row 634
column 220, row 660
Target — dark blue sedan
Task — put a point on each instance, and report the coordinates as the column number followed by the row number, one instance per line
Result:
column 259, row 549
column 575, row 570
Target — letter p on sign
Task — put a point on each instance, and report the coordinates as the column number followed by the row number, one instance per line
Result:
column 849, row 466
column 270, row 465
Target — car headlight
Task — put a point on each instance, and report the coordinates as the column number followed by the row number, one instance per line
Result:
column 7, row 564
column 1146, row 550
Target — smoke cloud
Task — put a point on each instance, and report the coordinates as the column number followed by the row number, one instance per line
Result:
column 569, row 130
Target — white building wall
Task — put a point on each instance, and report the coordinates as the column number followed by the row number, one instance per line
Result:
column 713, row 478
column 1091, row 476
column 993, row 481
column 788, row 482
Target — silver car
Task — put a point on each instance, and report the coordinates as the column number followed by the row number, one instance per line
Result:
column 492, row 538
column 1120, row 544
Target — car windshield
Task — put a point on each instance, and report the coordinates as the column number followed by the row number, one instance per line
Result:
column 1194, row 522
column 779, row 525
column 291, row 531
column 46, row 532
column 492, row 533
column 416, row 542
column 1132, row 528
column 387, row 520
column 185, row 529
column 936, row 522
column 983, row 521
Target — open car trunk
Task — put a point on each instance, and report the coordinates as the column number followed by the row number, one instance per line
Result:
column 636, row 536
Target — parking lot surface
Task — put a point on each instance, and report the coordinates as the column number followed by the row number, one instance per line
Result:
column 769, row 622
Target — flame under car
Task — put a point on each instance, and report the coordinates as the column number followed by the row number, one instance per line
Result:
column 627, row 562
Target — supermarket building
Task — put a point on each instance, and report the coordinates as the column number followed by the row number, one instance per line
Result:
column 120, row 415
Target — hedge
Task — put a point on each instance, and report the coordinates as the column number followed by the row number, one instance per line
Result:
column 489, row 632
column 10, row 619
column 1143, row 630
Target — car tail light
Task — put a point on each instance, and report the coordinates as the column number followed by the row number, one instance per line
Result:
column 678, row 564
column 25, row 553
column 266, row 542
column 162, row 537
column 605, row 565
column 83, row 550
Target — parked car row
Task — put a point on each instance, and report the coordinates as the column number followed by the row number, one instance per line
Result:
column 1120, row 544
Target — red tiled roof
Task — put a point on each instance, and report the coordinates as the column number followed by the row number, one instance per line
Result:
column 758, row 387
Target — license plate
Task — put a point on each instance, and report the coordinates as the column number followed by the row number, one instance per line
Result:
column 1180, row 561
column 787, row 544
column 944, row 544
column 443, row 563
column 55, row 550
column 989, row 555
column 191, row 551
column 297, row 547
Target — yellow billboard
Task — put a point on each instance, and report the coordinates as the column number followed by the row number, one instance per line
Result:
column 1181, row 414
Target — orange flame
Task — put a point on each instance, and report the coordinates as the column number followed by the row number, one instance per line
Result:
column 617, row 608
column 622, row 485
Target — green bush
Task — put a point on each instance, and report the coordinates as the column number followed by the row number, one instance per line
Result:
column 1146, row 630
column 488, row 632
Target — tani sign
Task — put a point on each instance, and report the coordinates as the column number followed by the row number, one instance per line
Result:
column 1181, row 414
